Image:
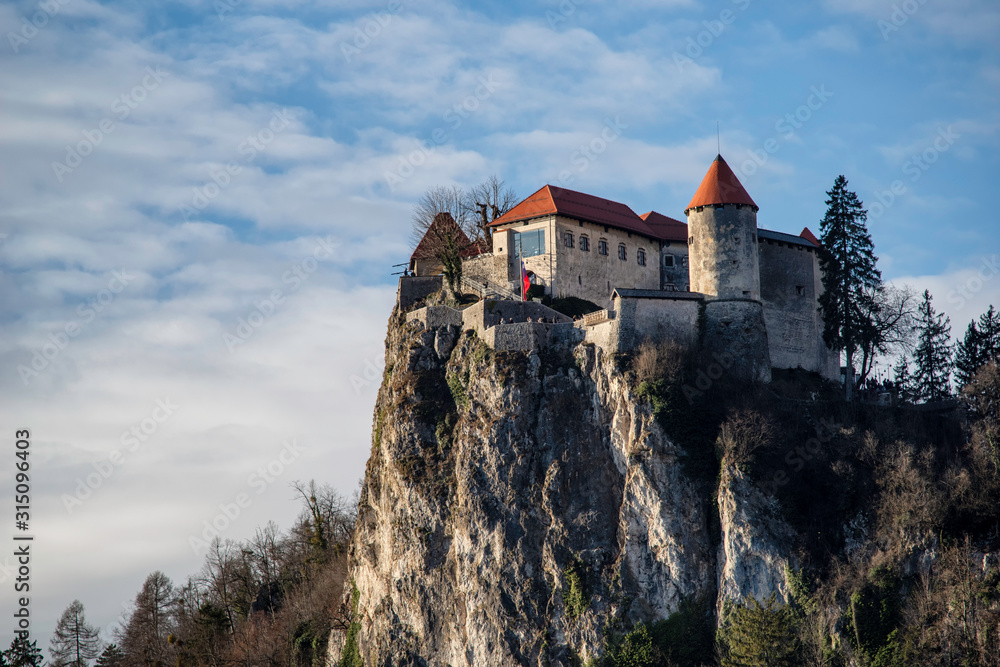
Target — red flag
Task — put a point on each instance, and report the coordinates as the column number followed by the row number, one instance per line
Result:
column 525, row 283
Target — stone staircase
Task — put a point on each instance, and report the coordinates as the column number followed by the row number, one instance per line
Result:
column 488, row 291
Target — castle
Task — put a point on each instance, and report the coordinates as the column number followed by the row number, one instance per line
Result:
column 719, row 282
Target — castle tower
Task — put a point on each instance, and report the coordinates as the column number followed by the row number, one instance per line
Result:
column 722, row 226
column 723, row 257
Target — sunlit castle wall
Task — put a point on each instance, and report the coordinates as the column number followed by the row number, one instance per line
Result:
column 722, row 251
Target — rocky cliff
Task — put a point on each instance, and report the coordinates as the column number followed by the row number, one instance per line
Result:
column 518, row 508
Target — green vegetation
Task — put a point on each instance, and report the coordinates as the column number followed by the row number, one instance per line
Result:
column 351, row 655
column 457, row 384
column 575, row 593
column 636, row 649
column 759, row 635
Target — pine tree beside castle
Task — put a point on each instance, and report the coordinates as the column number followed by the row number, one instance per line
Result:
column 980, row 345
column 933, row 356
column 850, row 278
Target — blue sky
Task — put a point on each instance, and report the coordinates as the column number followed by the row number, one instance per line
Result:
column 250, row 166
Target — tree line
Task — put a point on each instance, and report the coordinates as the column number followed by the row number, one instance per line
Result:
column 269, row 600
column 868, row 318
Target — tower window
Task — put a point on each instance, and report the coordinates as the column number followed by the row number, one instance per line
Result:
column 800, row 290
column 568, row 239
column 584, row 243
column 602, row 247
column 668, row 261
column 640, row 256
column 622, row 255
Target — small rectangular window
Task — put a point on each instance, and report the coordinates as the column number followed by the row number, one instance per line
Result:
column 668, row 261
column 640, row 256
column 622, row 255
column 568, row 239
column 800, row 290
column 584, row 244
column 602, row 247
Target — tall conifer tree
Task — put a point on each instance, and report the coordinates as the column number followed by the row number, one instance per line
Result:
column 74, row 642
column 933, row 356
column 23, row 653
column 980, row 346
column 969, row 355
column 902, row 379
column 850, row 278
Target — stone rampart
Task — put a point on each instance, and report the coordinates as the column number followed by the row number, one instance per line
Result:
column 488, row 313
column 413, row 288
column 735, row 328
column 433, row 317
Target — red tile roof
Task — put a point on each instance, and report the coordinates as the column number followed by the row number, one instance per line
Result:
column 720, row 186
column 552, row 200
column 426, row 250
column 809, row 236
column 666, row 229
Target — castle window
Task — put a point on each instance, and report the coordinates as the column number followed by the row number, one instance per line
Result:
column 568, row 239
column 800, row 290
column 584, row 243
column 690, row 240
column 622, row 255
column 668, row 261
column 602, row 247
column 684, row 261
column 531, row 243
column 640, row 256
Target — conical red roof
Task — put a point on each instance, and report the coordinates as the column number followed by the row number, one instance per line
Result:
column 720, row 186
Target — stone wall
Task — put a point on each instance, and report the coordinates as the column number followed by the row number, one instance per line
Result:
column 486, row 314
column 487, row 269
column 412, row 288
column 723, row 253
column 734, row 332
column 790, row 284
column 656, row 318
column 433, row 317
column 677, row 275
column 527, row 336
column 606, row 335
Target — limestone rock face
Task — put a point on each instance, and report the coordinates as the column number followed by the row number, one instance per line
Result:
column 753, row 555
column 515, row 505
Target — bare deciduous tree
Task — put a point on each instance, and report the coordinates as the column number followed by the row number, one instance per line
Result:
column 889, row 324
column 490, row 200
column 74, row 642
column 471, row 213
column 144, row 639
